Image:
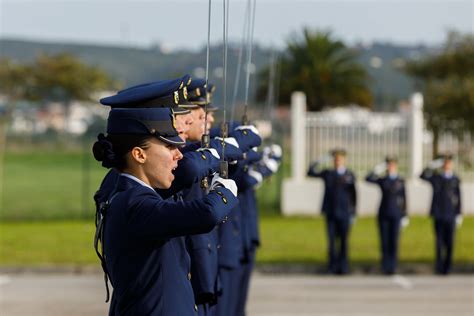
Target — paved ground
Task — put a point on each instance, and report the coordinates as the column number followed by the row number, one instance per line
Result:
column 83, row 294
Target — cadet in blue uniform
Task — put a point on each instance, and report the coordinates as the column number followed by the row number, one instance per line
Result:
column 392, row 211
column 168, row 93
column 161, row 94
column 196, row 163
column 339, row 208
column 233, row 241
column 259, row 170
column 202, row 248
column 139, row 232
column 445, row 210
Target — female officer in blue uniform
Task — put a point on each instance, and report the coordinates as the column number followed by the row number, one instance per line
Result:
column 339, row 207
column 139, row 232
column 445, row 209
column 392, row 211
column 196, row 163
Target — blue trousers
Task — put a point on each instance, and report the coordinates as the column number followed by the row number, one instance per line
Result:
column 338, row 232
column 227, row 302
column 389, row 229
column 244, row 283
column 444, row 230
column 203, row 310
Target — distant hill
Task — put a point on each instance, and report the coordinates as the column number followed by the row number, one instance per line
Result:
column 383, row 61
column 131, row 65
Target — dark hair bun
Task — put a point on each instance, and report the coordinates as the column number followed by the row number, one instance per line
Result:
column 103, row 151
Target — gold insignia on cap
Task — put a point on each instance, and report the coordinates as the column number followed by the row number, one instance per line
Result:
column 176, row 97
column 189, row 81
column 208, row 98
column 185, row 93
column 198, row 92
column 173, row 121
column 181, row 85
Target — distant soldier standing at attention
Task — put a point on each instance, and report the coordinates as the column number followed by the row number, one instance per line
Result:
column 392, row 211
column 339, row 208
column 445, row 208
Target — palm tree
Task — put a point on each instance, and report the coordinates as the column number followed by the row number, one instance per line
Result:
column 324, row 68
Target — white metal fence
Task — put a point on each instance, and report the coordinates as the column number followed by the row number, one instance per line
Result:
column 369, row 137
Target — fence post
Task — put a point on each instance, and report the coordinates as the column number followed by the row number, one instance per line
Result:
column 298, row 136
column 416, row 135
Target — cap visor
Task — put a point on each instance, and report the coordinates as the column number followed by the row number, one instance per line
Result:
column 178, row 110
column 172, row 140
column 198, row 101
column 188, row 106
column 212, row 108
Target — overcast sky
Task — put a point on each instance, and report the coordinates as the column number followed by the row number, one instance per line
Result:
column 183, row 24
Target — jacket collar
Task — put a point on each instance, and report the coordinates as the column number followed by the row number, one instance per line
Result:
column 126, row 183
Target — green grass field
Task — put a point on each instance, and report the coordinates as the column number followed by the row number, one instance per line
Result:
column 49, row 185
column 303, row 240
column 284, row 240
column 44, row 192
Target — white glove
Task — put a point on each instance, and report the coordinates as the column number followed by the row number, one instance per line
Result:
column 435, row 164
column 380, row 168
column 217, row 181
column 256, row 175
column 276, row 150
column 271, row 164
column 314, row 166
column 324, row 159
column 459, row 220
column 249, row 127
column 404, row 222
column 266, row 151
column 352, row 220
column 229, row 140
column 213, row 151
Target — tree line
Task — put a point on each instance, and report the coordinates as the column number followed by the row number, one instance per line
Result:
column 315, row 62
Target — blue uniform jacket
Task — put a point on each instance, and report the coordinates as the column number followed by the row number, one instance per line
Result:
column 339, row 195
column 253, row 225
column 248, row 209
column 231, row 153
column 229, row 240
column 253, row 232
column 393, row 202
column 145, row 255
column 446, row 202
column 263, row 170
column 202, row 249
column 107, row 187
column 245, row 138
column 246, row 217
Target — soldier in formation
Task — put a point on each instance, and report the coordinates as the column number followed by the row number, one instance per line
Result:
column 445, row 208
column 339, row 207
column 172, row 235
